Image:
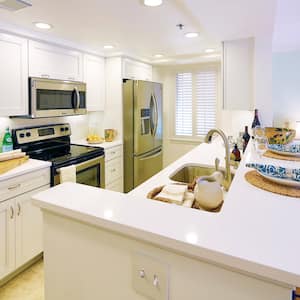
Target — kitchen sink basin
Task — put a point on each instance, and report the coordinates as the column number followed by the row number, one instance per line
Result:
column 187, row 173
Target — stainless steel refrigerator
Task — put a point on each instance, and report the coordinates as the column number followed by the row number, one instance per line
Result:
column 142, row 130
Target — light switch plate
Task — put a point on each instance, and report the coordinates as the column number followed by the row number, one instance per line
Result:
column 143, row 264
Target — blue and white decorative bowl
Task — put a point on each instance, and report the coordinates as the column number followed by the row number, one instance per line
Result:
column 279, row 175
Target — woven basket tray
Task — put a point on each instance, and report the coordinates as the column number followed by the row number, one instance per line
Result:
column 153, row 193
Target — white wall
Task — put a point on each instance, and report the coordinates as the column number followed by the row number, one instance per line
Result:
column 263, row 78
column 286, row 88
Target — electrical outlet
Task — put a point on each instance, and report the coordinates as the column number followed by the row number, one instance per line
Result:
column 150, row 276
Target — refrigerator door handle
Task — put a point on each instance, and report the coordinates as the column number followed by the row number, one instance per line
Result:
column 152, row 105
column 150, row 155
column 156, row 115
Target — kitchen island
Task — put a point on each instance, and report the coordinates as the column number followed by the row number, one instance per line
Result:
column 107, row 245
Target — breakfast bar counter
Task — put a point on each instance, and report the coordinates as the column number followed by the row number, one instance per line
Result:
column 94, row 240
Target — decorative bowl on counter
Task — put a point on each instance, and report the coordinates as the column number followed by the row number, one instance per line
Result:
column 278, row 135
column 281, row 175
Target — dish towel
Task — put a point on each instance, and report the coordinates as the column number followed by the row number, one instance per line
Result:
column 67, row 174
column 173, row 193
column 188, row 199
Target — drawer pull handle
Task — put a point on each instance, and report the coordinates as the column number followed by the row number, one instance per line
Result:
column 13, row 187
column 113, row 170
column 19, row 209
column 112, row 152
column 11, row 212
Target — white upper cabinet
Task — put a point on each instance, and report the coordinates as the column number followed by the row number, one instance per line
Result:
column 50, row 61
column 238, row 84
column 136, row 70
column 13, row 75
column 94, row 69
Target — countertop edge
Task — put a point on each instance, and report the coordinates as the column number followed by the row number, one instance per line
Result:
column 236, row 264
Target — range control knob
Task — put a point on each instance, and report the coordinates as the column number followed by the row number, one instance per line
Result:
column 66, row 128
column 62, row 129
column 22, row 135
column 28, row 134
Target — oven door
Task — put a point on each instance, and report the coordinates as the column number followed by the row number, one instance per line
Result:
column 90, row 172
column 54, row 98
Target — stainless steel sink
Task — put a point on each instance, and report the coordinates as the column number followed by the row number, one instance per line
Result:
column 187, row 173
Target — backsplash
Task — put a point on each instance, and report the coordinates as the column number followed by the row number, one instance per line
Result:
column 79, row 124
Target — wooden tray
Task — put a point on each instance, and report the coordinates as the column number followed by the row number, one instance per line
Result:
column 152, row 194
column 8, row 165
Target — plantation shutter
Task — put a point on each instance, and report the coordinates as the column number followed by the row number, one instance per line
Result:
column 184, row 104
column 206, row 101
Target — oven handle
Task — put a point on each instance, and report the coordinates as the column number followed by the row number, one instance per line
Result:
column 88, row 163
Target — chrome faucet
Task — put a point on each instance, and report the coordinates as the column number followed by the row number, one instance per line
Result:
column 208, row 138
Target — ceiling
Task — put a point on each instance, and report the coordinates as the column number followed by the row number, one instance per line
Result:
column 287, row 24
column 142, row 31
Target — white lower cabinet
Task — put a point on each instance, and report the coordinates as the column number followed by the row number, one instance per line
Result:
column 7, row 238
column 21, row 221
column 29, row 230
column 114, row 169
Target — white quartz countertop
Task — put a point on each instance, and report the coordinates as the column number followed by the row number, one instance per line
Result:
column 255, row 232
column 28, row 167
column 105, row 145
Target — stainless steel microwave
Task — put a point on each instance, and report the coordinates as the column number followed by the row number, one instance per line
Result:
column 56, row 98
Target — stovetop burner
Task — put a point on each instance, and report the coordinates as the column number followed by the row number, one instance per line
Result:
column 54, row 146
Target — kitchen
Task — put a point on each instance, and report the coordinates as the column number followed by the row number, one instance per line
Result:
column 60, row 54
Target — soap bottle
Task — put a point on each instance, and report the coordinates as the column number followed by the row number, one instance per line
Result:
column 236, row 152
column 246, row 138
column 7, row 143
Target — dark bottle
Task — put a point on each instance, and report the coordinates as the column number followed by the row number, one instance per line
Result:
column 236, row 152
column 246, row 138
column 256, row 121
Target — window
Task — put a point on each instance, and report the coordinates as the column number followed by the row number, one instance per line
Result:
column 196, row 103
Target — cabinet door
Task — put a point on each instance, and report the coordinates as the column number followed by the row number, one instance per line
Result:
column 136, row 70
column 7, row 237
column 13, row 75
column 54, row 62
column 29, row 228
column 238, row 74
column 95, row 82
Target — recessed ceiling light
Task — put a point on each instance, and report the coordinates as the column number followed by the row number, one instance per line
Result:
column 191, row 34
column 158, row 55
column 153, row 2
column 209, row 50
column 108, row 47
column 42, row 25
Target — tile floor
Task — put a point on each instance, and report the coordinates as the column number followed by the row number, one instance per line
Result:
column 28, row 285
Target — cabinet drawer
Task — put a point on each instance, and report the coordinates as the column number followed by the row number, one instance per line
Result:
column 24, row 183
column 113, row 153
column 116, row 186
column 113, row 170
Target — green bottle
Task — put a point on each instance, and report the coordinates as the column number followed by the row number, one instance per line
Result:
column 7, row 143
